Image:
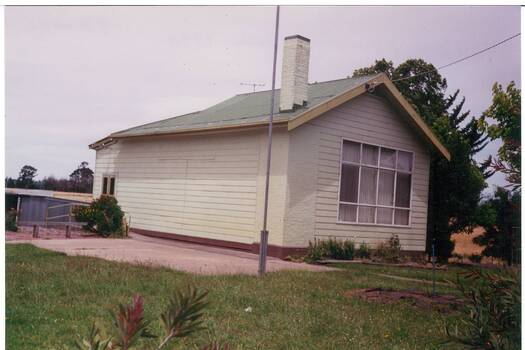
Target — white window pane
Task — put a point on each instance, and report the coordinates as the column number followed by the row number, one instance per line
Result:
column 347, row 212
column 367, row 214
column 349, row 183
column 404, row 161
column 351, row 151
column 388, row 158
column 401, row 217
column 384, row 216
column 367, row 188
column 403, row 190
column 370, row 155
column 385, row 194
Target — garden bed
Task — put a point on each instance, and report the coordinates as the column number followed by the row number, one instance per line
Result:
column 417, row 298
column 427, row 266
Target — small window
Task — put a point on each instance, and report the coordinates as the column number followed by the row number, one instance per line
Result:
column 105, row 185
column 112, row 186
column 108, row 185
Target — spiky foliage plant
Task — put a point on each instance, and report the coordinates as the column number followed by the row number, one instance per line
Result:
column 182, row 317
column 130, row 324
column 94, row 341
column 492, row 311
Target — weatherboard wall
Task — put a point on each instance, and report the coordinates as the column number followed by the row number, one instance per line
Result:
column 211, row 185
column 314, row 169
column 201, row 185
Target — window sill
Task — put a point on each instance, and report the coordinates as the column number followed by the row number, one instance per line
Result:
column 370, row 224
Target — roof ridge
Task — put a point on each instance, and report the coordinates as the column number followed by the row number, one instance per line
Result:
column 261, row 96
column 347, row 78
column 314, row 83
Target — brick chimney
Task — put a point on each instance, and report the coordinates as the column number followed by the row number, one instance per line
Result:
column 294, row 77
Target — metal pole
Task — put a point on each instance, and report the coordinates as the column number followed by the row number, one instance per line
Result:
column 434, row 267
column 17, row 209
column 263, row 245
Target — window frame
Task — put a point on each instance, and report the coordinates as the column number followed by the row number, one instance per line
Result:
column 108, row 185
column 378, row 168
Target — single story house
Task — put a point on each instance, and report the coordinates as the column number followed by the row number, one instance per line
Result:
column 350, row 160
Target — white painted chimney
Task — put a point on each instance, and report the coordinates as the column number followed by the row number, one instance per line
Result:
column 294, row 77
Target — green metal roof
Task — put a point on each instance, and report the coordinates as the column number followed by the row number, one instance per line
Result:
column 244, row 109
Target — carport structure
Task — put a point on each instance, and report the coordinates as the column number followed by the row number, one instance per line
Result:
column 43, row 207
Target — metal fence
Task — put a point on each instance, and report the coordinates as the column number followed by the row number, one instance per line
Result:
column 46, row 211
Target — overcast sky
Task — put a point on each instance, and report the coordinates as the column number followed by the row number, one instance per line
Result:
column 76, row 74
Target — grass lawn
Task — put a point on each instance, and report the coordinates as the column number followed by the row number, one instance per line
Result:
column 52, row 299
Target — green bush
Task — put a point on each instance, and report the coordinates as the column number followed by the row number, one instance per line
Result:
column 363, row 252
column 492, row 311
column 475, row 258
column 334, row 249
column 389, row 251
column 103, row 216
column 348, row 250
column 330, row 249
column 87, row 215
column 10, row 220
column 315, row 251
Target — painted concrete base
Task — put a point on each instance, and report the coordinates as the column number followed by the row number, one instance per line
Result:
column 181, row 256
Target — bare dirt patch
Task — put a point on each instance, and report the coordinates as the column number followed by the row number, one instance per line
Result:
column 417, row 298
column 407, row 264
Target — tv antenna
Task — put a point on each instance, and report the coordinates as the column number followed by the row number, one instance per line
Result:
column 254, row 85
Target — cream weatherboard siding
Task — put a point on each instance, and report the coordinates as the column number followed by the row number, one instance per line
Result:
column 211, row 184
column 313, row 173
column 201, row 185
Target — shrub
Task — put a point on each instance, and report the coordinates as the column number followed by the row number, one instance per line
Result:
column 334, row 249
column 315, row 251
column 331, row 249
column 182, row 317
column 363, row 251
column 475, row 258
column 103, row 216
column 492, row 311
column 87, row 215
column 10, row 220
column 348, row 250
column 389, row 251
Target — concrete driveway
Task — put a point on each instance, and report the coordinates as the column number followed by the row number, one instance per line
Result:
column 172, row 254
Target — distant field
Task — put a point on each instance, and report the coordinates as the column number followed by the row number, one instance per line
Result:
column 464, row 244
column 52, row 300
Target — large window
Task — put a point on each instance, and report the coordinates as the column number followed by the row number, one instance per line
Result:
column 375, row 185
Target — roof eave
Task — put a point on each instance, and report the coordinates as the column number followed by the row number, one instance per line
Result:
column 114, row 137
column 102, row 143
column 415, row 117
column 396, row 95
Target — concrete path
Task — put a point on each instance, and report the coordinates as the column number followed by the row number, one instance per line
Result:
column 181, row 256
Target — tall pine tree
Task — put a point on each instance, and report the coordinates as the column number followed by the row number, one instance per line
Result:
column 455, row 186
